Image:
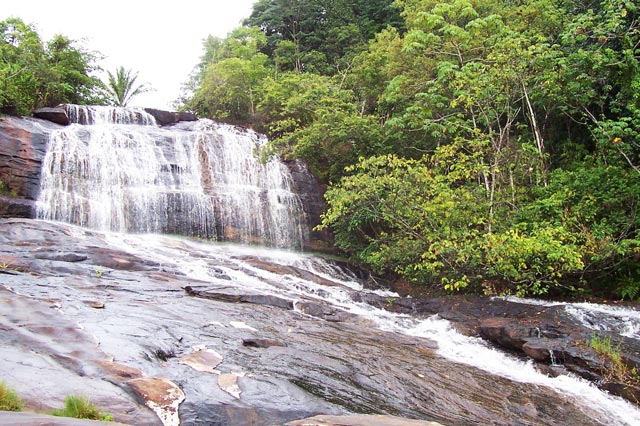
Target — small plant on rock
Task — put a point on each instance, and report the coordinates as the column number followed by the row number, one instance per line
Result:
column 9, row 399
column 613, row 366
column 79, row 407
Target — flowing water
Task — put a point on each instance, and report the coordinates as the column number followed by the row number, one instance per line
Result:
column 121, row 172
column 214, row 261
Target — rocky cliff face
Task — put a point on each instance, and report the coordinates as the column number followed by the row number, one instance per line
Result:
column 23, row 143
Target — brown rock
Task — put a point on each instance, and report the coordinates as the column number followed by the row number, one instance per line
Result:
column 502, row 332
column 537, row 349
column 262, row 343
column 56, row 115
column 94, row 304
column 205, row 360
column 161, row 395
column 120, row 370
column 229, row 384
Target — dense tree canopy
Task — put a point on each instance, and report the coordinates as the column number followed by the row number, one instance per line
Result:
column 35, row 74
column 483, row 145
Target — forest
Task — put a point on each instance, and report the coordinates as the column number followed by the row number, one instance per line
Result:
column 483, row 146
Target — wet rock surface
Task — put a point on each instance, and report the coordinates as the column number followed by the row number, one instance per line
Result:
column 24, row 141
column 55, row 344
column 359, row 420
column 547, row 334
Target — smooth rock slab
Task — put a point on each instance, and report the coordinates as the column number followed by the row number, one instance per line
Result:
column 205, row 360
column 162, row 396
column 31, row 419
column 360, row 420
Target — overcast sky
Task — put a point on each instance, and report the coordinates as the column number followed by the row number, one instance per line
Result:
column 160, row 40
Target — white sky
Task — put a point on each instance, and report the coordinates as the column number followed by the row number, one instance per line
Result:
column 160, row 40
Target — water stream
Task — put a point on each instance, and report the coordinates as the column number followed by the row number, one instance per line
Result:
column 211, row 259
column 120, row 172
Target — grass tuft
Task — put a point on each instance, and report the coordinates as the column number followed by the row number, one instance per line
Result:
column 9, row 399
column 79, row 407
column 613, row 365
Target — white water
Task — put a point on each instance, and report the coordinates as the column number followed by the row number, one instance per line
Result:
column 452, row 345
column 81, row 114
column 616, row 319
column 199, row 178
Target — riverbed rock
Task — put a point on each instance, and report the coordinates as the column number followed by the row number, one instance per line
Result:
column 52, row 341
column 56, row 115
column 33, row 419
column 166, row 118
column 202, row 359
column 360, row 420
column 262, row 343
column 234, row 295
column 161, row 395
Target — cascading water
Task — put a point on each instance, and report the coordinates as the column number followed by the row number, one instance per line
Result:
column 224, row 266
column 122, row 173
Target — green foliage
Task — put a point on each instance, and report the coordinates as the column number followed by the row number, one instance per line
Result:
column 9, row 399
column 78, row 407
column 228, row 82
column 122, row 87
column 35, row 74
column 427, row 222
column 468, row 145
column 312, row 118
column 613, row 366
column 320, row 36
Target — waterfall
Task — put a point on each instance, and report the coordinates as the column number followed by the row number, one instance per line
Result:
column 93, row 114
column 122, row 173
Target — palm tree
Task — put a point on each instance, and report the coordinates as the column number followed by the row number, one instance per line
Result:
column 122, row 87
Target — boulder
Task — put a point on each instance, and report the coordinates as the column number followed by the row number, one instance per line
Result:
column 166, row 118
column 163, row 118
column 56, row 115
column 185, row 116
